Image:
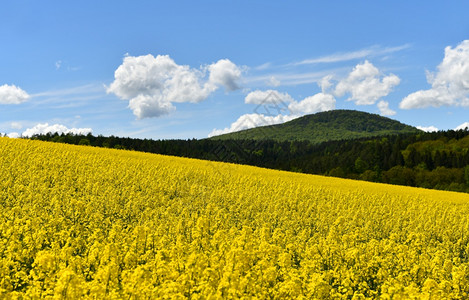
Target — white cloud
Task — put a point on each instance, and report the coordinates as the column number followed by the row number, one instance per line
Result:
column 45, row 128
column 428, row 128
column 146, row 106
column 248, row 121
column 384, row 109
column 426, row 98
column 450, row 84
column 156, row 76
column 462, row 126
column 153, row 84
column 11, row 94
column 366, row 84
column 13, row 135
column 225, row 73
column 317, row 103
column 267, row 97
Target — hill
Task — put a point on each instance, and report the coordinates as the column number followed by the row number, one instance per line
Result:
column 325, row 126
column 83, row 222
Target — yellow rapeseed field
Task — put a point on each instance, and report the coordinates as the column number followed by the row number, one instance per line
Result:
column 98, row 223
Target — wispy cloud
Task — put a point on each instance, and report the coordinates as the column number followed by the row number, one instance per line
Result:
column 336, row 57
column 292, row 78
column 83, row 89
column 69, row 97
column 263, row 66
column 347, row 56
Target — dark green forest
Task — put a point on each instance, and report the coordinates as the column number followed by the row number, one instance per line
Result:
column 438, row 160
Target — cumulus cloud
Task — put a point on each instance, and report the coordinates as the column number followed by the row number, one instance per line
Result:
column 384, row 109
column 147, row 106
column 426, row 98
column 11, row 94
column 248, row 121
column 224, row 73
column 45, row 128
column 13, row 135
column 366, row 84
column 157, row 77
column 317, row 103
column 428, row 128
column 152, row 84
column 450, row 84
column 462, row 126
column 267, row 97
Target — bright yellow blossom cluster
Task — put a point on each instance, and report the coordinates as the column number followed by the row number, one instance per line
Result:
column 98, row 223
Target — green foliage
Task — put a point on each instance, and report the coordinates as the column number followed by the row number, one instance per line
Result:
column 361, row 165
column 325, row 126
column 337, row 172
column 466, row 175
column 370, row 175
column 84, row 142
column 399, row 175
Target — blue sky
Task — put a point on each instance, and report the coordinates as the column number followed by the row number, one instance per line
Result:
column 187, row 69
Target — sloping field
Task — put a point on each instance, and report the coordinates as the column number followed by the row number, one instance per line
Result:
column 98, row 223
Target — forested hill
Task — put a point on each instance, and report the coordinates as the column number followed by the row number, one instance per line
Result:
column 326, row 126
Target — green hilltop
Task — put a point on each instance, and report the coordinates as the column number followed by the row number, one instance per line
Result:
column 324, row 126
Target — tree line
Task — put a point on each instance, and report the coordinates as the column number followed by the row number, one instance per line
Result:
column 437, row 160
